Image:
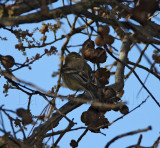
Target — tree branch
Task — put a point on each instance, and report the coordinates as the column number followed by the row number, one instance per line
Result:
column 119, row 75
column 78, row 9
column 127, row 134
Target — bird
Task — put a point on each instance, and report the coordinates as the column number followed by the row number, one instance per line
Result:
column 77, row 74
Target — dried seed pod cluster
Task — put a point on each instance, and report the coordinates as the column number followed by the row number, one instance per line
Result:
column 110, row 102
column 93, row 55
column 25, row 115
column 104, row 38
column 94, row 119
column 102, row 75
column 7, row 61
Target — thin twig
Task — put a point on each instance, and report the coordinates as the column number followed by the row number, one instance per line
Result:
column 145, row 68
column 138, row 61
column 137, row 78
column 127, row 134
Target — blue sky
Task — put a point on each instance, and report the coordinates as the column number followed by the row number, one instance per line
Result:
column 40, row 75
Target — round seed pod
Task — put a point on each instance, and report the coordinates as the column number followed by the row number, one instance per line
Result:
column 100, row 41
column 84, row 117
column 25, row 115
column 20, row 112
column 102, row 75
column 27, row 118
column 7, row 61
column 88, row 44
column 73, row 144
column 103, row 30
column 124, row 110
column 109, row 39
column 88, row 53
column 101, row 55
column 97, row 55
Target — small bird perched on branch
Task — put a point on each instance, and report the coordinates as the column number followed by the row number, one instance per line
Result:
column 77, row 74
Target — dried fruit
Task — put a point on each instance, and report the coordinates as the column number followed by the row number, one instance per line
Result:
column 103, row 122
column 7, row 61
column 108, row 92
column 109, row 39
column 20, row 112
column 88, row 44
column 93, row 119
column 103, row 30
column 84, row 117
column 124, row 110
column 101, row 55
column 103, row 40
column 100, row 41
column 73, row 143
column 97, row 55
column 102, row 75
column 25, row 115
column 89, row 53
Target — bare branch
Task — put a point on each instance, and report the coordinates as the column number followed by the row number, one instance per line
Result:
column 128, row 134
column 119, row 75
